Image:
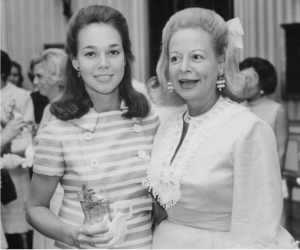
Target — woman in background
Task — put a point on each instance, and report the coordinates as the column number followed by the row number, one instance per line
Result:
column 47, row 77
column 16, row 105
column 16, row 76
column 102, row 135
column 214, row 165
column 265, row 108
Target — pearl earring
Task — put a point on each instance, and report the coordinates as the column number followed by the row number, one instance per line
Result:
column 170, row 87
column 221, row 82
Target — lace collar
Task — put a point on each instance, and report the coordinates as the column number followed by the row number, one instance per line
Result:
column 163, row 178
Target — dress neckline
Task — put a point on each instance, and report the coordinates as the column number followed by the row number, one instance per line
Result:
column 164, row 176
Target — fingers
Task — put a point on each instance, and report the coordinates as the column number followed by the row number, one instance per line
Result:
column 91, row 246
column 94, row 234
column 98, row 228
column 84, row 240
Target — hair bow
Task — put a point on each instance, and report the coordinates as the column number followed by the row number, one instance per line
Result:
column 236, row 30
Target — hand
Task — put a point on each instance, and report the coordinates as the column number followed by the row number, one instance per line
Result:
column 89, row 235
column 12, row 129
column 11, row 161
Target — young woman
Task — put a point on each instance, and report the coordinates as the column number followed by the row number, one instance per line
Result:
column 102, row 136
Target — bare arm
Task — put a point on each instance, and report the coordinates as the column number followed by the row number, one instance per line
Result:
column 281, row 133
column 39, row 216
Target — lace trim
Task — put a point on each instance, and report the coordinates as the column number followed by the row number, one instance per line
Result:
column 280, row 245
column 164, row 178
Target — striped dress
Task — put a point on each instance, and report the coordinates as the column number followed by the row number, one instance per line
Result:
column 101, row 149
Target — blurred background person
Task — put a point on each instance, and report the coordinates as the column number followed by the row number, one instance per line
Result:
column 16, row 76
column 265, row 108
column 16, row 105
column 46, row 76
column 39, row 101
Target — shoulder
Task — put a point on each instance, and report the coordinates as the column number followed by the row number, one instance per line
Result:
column 252, row 128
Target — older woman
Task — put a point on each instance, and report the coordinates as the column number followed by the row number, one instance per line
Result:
column 46, row 69
column 214, row 165
column 47, row 77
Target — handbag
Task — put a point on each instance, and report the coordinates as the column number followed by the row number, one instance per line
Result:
column 8, row 190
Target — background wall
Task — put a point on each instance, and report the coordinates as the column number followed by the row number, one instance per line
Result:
column 261, row 20
column 26, row 25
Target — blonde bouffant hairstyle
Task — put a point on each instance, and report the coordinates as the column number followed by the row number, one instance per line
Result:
column 238, row 84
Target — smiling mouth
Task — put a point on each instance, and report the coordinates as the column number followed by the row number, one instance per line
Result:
column 103, row 77
column 187, row 83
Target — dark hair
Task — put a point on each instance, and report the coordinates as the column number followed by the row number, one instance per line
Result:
column 267, row 78
column 75, row 101
column 5, row 65
column 19, row 68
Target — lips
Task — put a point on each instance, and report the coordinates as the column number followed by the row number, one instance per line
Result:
column 187, row 83
column 104, row 78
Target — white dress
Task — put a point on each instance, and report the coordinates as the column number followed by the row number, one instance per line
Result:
column 223, row 188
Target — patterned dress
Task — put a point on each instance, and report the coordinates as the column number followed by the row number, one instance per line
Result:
column 101, row 149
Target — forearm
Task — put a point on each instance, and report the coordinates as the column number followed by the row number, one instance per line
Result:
column 4, row 141
column 48, row 224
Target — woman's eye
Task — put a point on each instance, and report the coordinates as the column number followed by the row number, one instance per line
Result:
column 198, row 57
column 89, row 54
column 114, row 52
column 174, row 59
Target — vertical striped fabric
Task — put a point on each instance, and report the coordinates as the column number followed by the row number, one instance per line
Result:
column 101, row 149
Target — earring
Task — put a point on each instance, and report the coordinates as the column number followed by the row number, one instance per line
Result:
column 170, row 87
column 262, row 92
column 221, row 82
column 78, row 73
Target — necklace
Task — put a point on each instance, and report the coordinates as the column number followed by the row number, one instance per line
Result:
column 187, row 118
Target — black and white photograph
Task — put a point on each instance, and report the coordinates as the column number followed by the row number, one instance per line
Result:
column 150, row 124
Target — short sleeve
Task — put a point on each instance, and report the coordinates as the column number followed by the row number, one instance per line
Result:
column 257, row 196
column 48, row 158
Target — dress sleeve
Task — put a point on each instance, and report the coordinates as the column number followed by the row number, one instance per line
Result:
column 48, row 158
column 257, row 194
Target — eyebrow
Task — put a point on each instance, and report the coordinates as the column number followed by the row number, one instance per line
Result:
column 94, row 47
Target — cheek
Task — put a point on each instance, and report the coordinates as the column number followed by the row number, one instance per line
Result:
column 172, row 72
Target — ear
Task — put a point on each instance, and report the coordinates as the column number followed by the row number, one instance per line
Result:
column 75, row 62
column 221, row 66
column 221, row 69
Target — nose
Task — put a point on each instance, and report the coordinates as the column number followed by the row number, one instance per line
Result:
column 185, row 65
column 103, row 62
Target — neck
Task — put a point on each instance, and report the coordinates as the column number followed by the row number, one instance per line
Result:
column 54, row 94
column 255, row 98
column 105, row 103
column 198, row 108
